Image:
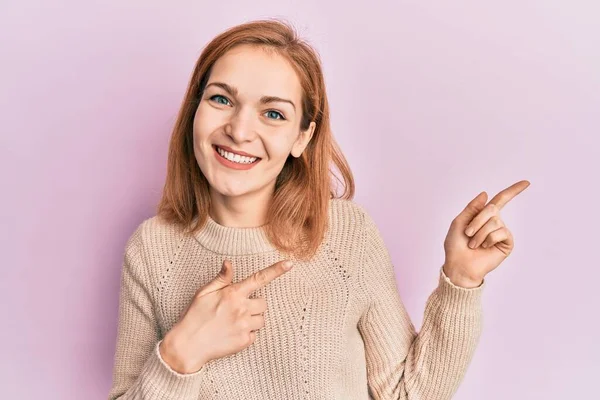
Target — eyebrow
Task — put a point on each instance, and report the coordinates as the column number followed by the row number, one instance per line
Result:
column 263, row 100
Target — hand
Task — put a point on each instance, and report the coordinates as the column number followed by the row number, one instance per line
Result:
column 480, row 225
column 219, row 321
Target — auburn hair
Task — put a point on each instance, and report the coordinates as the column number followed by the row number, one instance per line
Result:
column 297, row 218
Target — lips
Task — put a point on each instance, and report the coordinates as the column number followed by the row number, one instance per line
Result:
column 233, row 165
column 230, row 150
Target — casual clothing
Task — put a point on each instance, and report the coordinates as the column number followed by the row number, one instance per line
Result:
column 335, row 327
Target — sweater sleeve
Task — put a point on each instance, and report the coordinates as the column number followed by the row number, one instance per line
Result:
column 402, row 364
column 139, row 371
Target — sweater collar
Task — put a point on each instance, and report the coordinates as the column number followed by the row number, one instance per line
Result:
column 233, row 241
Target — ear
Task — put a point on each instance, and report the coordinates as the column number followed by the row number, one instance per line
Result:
column 302, row 140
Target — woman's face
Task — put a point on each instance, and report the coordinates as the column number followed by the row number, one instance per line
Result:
column 251, row 104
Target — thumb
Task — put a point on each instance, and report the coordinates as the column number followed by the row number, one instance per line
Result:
column 472, row 209
column 225, row 275
column 223, row 278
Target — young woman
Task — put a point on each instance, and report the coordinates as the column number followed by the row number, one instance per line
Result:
column 208, row 307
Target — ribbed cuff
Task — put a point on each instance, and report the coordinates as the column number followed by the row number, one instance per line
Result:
column 458, row 298
column 170, row 383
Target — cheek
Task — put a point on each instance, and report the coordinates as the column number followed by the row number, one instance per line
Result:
column 279, row 144
column 206, row 120
column 200, row 122
column 205, row 124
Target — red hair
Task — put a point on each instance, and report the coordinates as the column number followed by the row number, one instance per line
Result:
column 298, row 212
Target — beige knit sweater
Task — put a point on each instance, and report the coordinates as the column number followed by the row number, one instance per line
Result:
column 335, row 327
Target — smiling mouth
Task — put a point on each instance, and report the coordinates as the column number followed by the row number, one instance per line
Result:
column 236, row 158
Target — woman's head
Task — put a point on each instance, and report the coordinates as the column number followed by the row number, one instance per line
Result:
column 236, row 99
column 251, row 103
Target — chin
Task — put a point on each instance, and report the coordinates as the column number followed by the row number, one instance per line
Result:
column 230, row 191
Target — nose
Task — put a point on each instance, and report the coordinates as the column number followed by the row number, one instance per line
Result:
column 240, row 128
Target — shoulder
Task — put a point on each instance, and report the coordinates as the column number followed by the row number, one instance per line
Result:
column 347, row 222
column 345, row 214
column 351, row 223
column 150, row 248
column 153, row 228
column 355, row 239
column 152, row 237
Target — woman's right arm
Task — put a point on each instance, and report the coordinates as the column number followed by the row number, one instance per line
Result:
column 139, row 370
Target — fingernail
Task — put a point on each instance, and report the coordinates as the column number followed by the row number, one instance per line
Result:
column 472, row 243
column 287, row 265
column 469, row 232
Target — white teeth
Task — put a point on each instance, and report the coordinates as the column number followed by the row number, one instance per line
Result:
column 236, row 157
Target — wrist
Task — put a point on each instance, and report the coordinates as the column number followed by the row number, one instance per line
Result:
column 461, row 280
column 171, row 352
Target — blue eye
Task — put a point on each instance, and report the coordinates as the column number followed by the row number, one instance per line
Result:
column 271, row 112
column 221, row 97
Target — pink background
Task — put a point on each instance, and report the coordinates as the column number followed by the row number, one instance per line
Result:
column 432, row 102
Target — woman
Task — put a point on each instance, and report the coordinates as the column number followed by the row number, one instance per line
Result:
column 208, row 309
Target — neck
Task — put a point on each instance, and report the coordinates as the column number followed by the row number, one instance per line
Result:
column 247, row 211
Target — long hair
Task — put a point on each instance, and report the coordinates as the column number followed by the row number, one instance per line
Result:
column 297, row 218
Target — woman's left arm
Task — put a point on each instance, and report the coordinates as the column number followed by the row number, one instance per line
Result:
column 402, row 364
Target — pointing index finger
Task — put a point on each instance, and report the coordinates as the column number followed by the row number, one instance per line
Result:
column 506, row 195
column 263, row 277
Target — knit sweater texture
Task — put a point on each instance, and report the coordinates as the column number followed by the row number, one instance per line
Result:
column 335, row 326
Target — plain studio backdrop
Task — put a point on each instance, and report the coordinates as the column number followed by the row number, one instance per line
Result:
column 432, row 103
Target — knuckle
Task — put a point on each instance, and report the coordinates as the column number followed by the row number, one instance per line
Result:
column 509, row 251
column 260, row 277
column 243, row 324
column 221, row 277
column 245, row 340
column 471, row 208
column 241, row 311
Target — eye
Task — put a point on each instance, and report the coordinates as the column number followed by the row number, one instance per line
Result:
column 271, row 113
column 218, row 96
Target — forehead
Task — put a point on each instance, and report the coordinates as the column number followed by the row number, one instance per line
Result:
column 257, row 72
